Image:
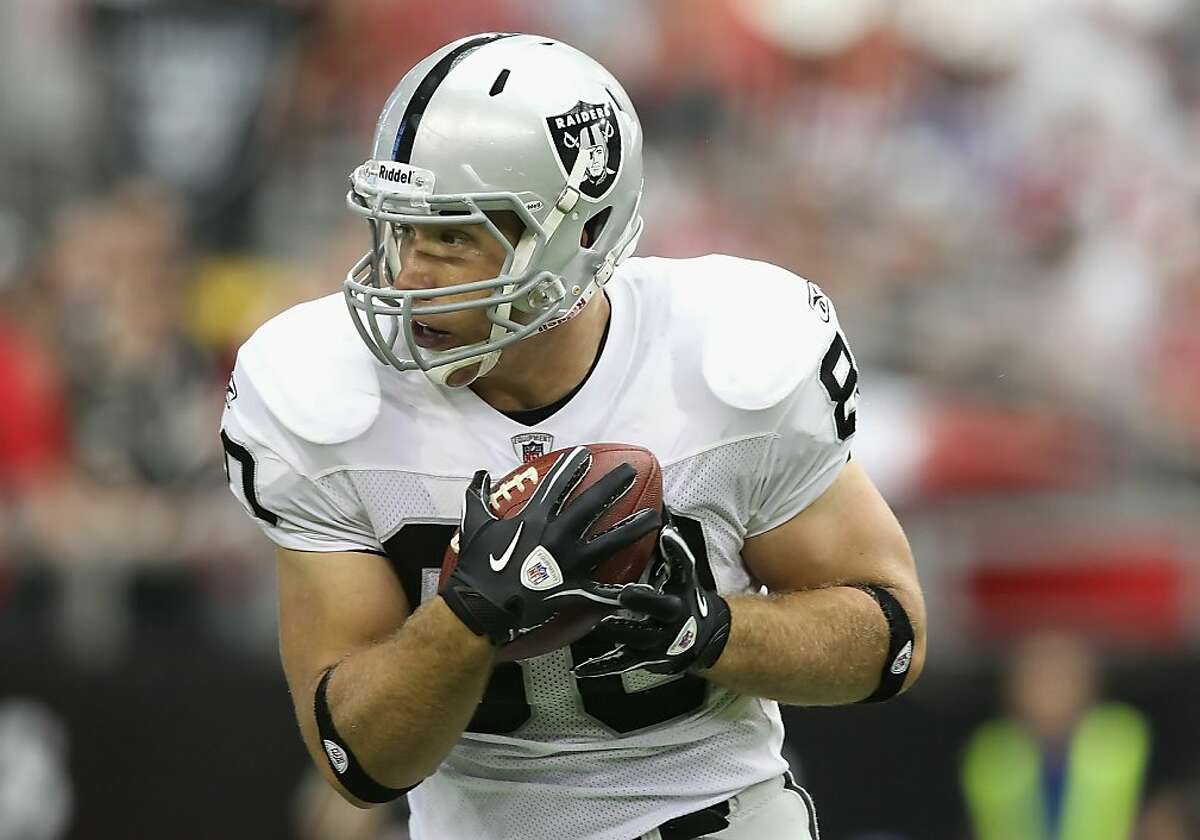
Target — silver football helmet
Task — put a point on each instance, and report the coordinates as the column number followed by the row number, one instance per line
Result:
column 497, row 122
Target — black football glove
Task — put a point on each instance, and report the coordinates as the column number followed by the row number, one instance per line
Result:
column 515, row 574
column 681, row 627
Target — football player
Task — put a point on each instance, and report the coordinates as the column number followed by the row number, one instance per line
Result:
column 496, row 316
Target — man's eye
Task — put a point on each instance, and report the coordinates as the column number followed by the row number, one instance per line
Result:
column 455, row 237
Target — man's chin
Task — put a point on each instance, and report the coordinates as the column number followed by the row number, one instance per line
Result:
column 463, row 376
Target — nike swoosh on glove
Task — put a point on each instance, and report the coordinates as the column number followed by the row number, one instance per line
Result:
column 489, row 589
column 681, row 627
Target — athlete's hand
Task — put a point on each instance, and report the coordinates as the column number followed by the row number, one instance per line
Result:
column 489, row 590
column 677, row 625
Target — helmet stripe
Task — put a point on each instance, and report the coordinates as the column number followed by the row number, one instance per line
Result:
column 407, row 133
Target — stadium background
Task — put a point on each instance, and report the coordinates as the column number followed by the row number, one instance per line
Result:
column 1000, row 197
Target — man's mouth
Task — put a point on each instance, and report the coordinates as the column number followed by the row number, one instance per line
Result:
column 430, row 338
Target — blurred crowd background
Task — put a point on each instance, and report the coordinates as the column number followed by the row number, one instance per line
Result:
column 1002, row 197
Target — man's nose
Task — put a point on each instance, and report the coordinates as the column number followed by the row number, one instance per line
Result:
column 412, row 280
column 414, row 274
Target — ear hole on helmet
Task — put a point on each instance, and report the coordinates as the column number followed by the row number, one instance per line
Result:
column 594, row 226
column 509, row 223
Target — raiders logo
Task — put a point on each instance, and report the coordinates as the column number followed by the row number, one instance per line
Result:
column 590, row 130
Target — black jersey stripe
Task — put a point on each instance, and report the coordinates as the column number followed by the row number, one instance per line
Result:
column 406, row 134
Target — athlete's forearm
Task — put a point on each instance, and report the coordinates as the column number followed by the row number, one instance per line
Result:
column 821, row 647
column 402, row 703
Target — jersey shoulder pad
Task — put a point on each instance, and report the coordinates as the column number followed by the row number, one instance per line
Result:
column 768, row 332
column 313, row 373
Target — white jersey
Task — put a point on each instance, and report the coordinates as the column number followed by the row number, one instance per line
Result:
column 732, row 372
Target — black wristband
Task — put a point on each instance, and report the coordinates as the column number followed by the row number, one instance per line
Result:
column 900, row 644
column 345, row 766
column 479, row 614
column 722, row 620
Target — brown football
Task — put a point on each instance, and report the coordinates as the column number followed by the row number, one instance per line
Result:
column 509, row 496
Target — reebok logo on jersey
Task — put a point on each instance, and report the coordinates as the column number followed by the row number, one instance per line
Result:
column 818, row 301
column 498, row 565
column 903, row 659
column 685, row 639
column 337, row 756
column 540, row 571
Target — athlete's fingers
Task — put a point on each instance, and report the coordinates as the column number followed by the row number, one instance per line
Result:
column 591, row 504
column 619, row 660
column 625, row 533
column 660, row 606
column 640, row 634
column 677, row 552
column 566, row 473
column 588, row 593
column 476, row 511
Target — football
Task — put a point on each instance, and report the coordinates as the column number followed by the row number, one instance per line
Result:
column 509, row 496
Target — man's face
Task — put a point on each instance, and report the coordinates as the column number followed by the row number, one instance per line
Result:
column 597, row 160
column 440, row 255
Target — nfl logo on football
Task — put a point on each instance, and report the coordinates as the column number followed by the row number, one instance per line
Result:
column 532, row 445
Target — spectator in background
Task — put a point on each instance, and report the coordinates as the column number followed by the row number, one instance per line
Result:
column 1173, row 814
column 1061, row 765
column 33, row 422
column 33, row 411
column 192, row 99
column 1013, row 245
column 135, row 489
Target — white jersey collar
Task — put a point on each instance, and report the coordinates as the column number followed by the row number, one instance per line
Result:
column 589, row 407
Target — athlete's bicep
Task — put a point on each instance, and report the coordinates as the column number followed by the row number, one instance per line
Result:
column 330, row 605
column 847, row 535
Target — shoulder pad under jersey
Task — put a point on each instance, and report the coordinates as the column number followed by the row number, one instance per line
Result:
column 768, row 331
column 313, row 372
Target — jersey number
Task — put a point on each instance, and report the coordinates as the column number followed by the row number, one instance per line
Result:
column 842, row 392
column 505, row 704
column 242, row 455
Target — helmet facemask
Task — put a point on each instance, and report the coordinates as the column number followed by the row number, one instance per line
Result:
column 383, row 313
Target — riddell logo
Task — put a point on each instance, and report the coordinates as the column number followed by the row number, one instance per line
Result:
column 398, row 176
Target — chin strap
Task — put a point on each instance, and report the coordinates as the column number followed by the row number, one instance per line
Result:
column 625, row 245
